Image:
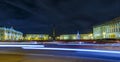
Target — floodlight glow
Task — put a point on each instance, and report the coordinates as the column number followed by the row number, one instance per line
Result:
column 71, row 49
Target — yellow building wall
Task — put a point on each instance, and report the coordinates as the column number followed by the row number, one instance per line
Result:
column 86, row 36
column 68, row 37
column 37, row 37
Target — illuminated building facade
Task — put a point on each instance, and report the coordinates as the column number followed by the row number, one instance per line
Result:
column 37, row 37
column 68, row 37
column 107, row 30
column 10, row 34
column 86, row 36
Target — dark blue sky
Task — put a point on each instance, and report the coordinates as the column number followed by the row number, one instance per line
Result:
column 68, row 16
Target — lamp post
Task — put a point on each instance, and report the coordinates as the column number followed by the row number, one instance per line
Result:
column 53, row 33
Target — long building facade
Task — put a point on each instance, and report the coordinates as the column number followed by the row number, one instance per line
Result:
column 67, row 37
column 107, row 30
column 10, row 34
column 37, row 37
column 88, row 36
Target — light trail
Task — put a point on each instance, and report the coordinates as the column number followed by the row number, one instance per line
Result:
column 92, row 44
column 11, row 43
column 21, row 45
column 71, row 49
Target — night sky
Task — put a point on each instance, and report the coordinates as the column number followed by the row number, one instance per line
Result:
column 67, row 16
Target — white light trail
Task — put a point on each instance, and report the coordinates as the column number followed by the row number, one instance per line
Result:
column 92, row 44
column 21, row 45
column 71, row 49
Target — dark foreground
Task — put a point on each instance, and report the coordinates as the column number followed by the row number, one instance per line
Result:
column 21, row 55
column 40, row 58
column 59, row 52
